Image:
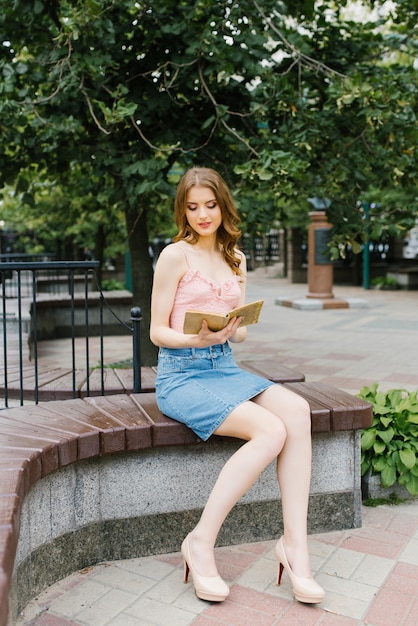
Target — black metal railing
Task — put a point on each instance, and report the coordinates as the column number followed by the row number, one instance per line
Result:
column 29, row 288
column 261, row 251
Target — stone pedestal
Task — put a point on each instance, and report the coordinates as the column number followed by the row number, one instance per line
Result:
column 320, row 268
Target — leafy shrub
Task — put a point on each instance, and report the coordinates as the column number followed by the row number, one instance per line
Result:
column 389, row 447
column 385, row 282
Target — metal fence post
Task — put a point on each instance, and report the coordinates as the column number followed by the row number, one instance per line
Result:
column 136, row 317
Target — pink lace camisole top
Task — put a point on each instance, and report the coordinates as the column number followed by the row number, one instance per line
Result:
column 198, row 292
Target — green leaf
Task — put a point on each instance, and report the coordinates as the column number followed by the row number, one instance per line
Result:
column 379, row 464
column 412, row 485
column 265, row 175
column 386, row 435
column 368, row 437
column 408, row 458
column 208, row 122
column 365, row 465
column 386, row 421
column 388, row 476
column 379, row 447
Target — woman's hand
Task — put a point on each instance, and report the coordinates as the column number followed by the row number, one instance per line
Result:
column 207, row 337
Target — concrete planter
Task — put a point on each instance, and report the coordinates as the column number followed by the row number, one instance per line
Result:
column 371, row 487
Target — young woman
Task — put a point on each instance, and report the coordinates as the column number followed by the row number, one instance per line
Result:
column 199, row 384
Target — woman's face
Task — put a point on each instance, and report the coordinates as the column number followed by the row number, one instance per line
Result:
column 203, row 212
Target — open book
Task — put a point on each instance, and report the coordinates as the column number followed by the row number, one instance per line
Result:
column 216, row 321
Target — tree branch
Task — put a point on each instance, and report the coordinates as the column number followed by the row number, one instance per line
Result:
column 230, row 130
column 296, row 54
column 175, row 147
column 92, row 113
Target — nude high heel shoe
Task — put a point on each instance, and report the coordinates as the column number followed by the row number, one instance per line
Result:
column 211, row 588
column 304, row 589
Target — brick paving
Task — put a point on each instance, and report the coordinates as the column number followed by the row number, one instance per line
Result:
column 370, row 574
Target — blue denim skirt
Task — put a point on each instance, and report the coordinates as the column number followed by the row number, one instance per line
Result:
column 201, row 386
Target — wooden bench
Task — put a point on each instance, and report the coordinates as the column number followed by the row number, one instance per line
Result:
column 74, row 441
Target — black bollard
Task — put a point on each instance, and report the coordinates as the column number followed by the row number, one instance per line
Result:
column 136, row 318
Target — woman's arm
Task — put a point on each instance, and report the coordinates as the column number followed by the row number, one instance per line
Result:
column 170, row 268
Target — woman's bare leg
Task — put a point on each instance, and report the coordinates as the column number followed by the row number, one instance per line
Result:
column 275, row 425
column 293, row 471
column 265, row 436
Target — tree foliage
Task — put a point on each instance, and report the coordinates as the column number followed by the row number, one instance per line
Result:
column 104, row 103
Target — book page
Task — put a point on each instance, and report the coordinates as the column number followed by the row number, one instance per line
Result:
column 217, row 321
column 249, row 312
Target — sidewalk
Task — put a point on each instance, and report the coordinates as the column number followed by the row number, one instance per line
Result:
column 370, row 574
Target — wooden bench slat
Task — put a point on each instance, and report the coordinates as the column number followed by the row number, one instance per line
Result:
column 165, row 431
column 148, row 376
column 13, row 481
column 65, row 442
column 4, row 595
column 272, row 370
column 112, row 434
column 123, row 409
column 8, row 545
column 43, row 418
column 53, row 384
column 9, row 505
column 320, row 412
column 347, row 411
column 28, row 375
column 28, row 460
column 46, row 448
column 112, row 383
column 60, row 387
column 87, row 436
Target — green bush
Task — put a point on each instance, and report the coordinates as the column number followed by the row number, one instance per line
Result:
column 385, row 282
column 389, row 447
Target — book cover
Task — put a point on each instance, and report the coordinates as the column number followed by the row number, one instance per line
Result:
column 249, row 312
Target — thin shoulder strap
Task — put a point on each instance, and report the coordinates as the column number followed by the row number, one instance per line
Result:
column 186, row 256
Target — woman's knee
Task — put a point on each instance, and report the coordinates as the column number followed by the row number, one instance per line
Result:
column 293, row 410
column 302, row 410
column 272, row 436
column 300, row 419
column 257, row 423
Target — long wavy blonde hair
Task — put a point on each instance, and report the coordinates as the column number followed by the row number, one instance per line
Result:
column 228, row 233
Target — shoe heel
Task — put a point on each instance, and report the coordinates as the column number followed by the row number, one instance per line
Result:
column 186, row 572
column 304, row 589
column 280, row 574
column 211, row 588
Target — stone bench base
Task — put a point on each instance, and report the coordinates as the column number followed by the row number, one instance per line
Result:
column 137, row 504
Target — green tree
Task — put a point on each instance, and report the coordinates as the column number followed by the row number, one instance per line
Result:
column 345, row 99
column 123, row 91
